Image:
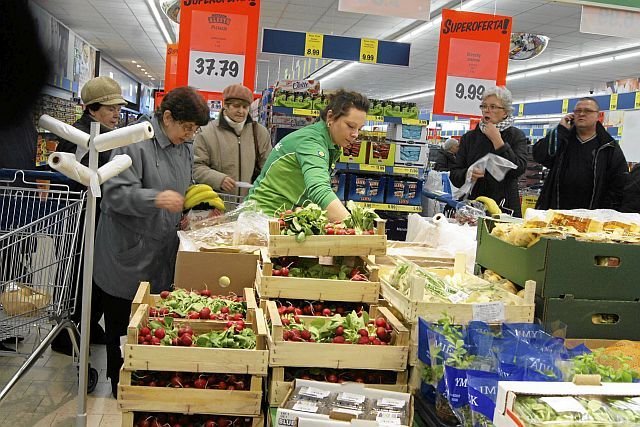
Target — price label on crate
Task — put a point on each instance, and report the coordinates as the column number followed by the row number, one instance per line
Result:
column 313, row 45
column 373, row 168
column 212, row 72
column 369, row 51
column 405, row 171
column 488, row 311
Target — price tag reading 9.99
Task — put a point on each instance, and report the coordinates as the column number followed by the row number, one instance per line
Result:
column 464, row 95
column 212, row 72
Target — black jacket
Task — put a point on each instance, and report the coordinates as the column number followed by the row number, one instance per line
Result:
column 445, row 160
column 18, row 145
column 473, row 146
column 84, row 124
column 631, row 197
column 610, row 170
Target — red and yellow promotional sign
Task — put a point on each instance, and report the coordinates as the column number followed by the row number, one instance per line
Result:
column 218, row 43
column 171, row 67
column 473, row 56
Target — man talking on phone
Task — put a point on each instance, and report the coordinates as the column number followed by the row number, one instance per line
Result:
column 587, row 167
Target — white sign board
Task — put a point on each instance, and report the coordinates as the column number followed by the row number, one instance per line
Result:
column 630, row 142
column 411, row 9
column 610, row 22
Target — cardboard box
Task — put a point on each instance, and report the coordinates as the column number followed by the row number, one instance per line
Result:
column 195, row 270
column 411, row 154
column 508, row 391
column 563, row 267
column 291, row 417
column 403, row 192
column 356, row 152
column 400, row 132
column 366, row 189
column 381, row 153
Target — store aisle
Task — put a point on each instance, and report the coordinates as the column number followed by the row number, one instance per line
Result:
column 47, row 394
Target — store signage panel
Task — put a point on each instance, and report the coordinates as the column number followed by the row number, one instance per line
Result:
column 315, row 45
column 610, row 22
column 218, row 43
column 473, row 56
column 616, row 4
column 411, row 9
column 171, row 67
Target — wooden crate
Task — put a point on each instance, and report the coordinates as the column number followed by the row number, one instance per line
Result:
column 128, row 417
column 278, row 387
column 337, row 356
column 144, row 296
column 269, row 286
column 281, row 245
column 189, row 400
column 196, row 359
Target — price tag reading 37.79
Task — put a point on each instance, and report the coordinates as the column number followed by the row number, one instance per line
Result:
column 464, row 95
column 212, row 72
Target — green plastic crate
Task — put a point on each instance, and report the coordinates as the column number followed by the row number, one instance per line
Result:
column 563, row 267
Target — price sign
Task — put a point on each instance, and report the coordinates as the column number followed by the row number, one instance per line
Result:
column 565, row 106
column 620, row 130
column 375, row 119
column 372, row 168
column 212, row 72
column 613, row 102
column 636, row 105
column 369, row 50
column 405, row 171
column 472, row 57
column 417, row 122
column 313, row 45
column 521, row 109
column 303, row 112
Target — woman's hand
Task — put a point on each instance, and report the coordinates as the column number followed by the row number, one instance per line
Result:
column 228, row 184
column 476, row 174
column 492, row 132
column 169, row 200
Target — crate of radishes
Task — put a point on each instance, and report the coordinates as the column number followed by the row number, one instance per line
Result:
column 336, row 342
column 168, row 344
column 190, row 393
column 307, row 232
column 145, row 419
column 319, row 308
column 352, row 279
column 281, row 379
column 196, row 304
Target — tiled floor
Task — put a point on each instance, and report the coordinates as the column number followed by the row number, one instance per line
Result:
column 48, row 393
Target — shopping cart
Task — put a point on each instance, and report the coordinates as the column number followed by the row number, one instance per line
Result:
column 41, row 242
column 231, row 201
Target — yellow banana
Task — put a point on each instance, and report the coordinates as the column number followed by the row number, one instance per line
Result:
column 217, row 203
column 198, row 198
column 197, row 189
column 490, row 205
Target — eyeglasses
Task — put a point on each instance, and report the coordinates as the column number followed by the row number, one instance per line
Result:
column 193, row 129
column 490, row 107
column 580, row 111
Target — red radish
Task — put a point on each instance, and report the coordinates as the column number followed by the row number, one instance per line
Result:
column 330, row 231
column 291, row 309
column 305, row 335
column 276, row 273
column 372, row 339
column 282, row 310
column 381, row 332
column 165, row 311
column 186, row 340
column 175, row 342
column 176, row 381
column 363, row 340
column 200, row 383
column 363, row 333
column 296, row 319
column 286, row 335
column 155, row 341
column 339, row 331
column 165, row 294
column 326, row 312
column 222, row 385
column 144, row 331
column 224, row 310
column 210, row 423
column 338, row 340
column 332, row 378
column 194, row 315
column 298, row 312
column 381, row 322
column 340, row 231
column 350, row 231
column 140, row 339
column 205, row 313
column 340, row 310
column 377, row 341
column 238, row 316
column 205, row 293
column 159, row 333
column 188, row 330
column 284, row 271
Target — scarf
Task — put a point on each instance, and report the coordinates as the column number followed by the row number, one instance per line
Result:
column 236, row 126
column 504, row 124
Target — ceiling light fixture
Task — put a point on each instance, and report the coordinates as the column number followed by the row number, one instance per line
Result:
column 626, row 55
column 133, row 61
column 142, row 69
column 537, row 72
column 159, row 21
column 596, row 61
column 138, row 65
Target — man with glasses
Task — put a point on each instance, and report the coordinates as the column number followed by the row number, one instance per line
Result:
column 587, row 167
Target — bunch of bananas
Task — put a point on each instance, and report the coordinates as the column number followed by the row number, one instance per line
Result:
column 202, row 193
column 490, row 205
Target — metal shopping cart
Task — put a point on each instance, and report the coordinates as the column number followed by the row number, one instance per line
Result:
column 231, row 201
column 41, row 242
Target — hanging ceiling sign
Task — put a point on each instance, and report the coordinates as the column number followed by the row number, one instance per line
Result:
column 610, row 22
column 616, row 4
column 316, row 45
column 411, row 9
column 171, row 67
column 218, row 43
column 473, row 56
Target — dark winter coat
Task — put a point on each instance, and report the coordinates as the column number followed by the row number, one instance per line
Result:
column 84, row 124
column 610, row 170
column 473, row 146
column 445, row 160
column 18, row 145
column 631, row 197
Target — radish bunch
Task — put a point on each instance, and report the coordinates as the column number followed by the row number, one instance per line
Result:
column 345, row 268
column 182, row 420
column 318, row 308
column 194, row 305
column 341, row 375
column 191, row 380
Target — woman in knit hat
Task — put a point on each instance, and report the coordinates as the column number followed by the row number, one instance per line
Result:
column 232, row 148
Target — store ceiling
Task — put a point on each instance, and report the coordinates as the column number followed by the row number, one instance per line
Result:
column 126, row 31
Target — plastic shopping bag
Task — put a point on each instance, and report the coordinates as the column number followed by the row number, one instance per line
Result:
column 497, row 166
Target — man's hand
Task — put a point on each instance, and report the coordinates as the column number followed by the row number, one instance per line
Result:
column 228, row 184
column 492, row 132
column 567, row 121
column 184, row 222
column 169, row 200
column 476, row 174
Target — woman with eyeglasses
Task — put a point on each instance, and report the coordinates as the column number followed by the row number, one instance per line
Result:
column 495, row 134
column 141, row 213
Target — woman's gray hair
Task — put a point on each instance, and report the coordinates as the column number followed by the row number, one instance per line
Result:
column 451, row 142
column 503, row 94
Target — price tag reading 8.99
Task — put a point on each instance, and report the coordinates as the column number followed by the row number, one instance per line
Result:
column 212, row 72
column 464, row 95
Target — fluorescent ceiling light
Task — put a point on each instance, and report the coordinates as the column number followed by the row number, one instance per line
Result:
column 564, row 67
column 626, row 55
column 159, row 21
column 469, row 4
column 133, row 61
column 596, row 61
column 516, row 77
column 537, row 72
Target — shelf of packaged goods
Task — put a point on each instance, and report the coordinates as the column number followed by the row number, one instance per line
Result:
column 381, row 119
column 387, row 170
column 390, row 207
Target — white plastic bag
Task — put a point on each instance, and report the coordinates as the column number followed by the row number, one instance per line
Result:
column 497, row 166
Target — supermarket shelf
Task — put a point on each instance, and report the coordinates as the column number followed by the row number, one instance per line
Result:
column 390, row 207
column 315, row 113
column 387, row 170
